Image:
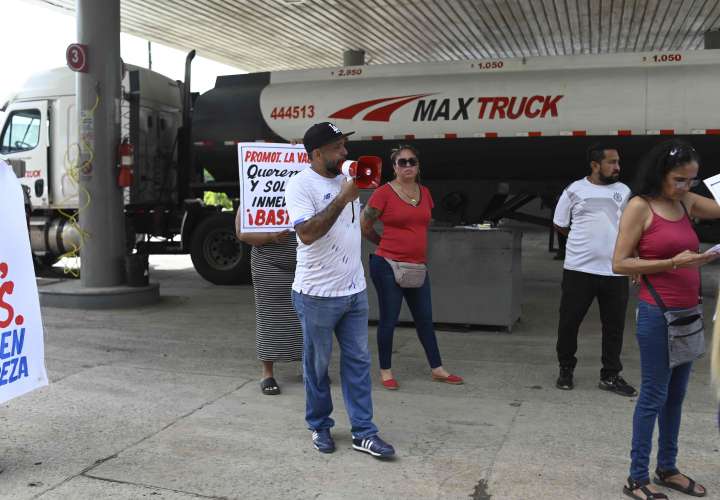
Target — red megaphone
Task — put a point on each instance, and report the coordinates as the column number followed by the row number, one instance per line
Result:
column 365, row 170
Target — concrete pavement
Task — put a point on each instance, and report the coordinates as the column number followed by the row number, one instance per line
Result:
column 163, row 402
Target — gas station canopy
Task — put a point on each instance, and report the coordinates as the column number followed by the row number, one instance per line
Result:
column 259, row 35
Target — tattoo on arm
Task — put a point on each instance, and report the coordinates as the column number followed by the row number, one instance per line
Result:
column 317, row 226
column 370, row 215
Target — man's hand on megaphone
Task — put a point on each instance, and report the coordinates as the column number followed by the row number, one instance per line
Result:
column 349, row 191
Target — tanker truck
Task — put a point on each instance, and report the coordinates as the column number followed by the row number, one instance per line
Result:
column 493, row 135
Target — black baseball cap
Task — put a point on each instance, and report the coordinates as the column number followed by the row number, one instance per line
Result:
column 320, row 134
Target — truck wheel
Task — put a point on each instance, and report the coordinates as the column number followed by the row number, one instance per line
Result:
column 217, row 254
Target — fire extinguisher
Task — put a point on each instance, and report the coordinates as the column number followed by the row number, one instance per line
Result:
column 127, row 160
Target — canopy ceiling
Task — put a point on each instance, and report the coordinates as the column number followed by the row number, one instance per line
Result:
column 259, row 35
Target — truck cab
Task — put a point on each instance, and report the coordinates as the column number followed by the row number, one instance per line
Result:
column 163, row 213
column 37, row 118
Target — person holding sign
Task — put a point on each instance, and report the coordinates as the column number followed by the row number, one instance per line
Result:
column 404, row 207
column 656, row 239
column 278, row 335
column 329, row 291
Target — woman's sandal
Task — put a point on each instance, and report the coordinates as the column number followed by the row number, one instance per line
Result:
column 450, row 379
column 661, row 477
column 633, row 485
column 391, row 384
column 269, row 386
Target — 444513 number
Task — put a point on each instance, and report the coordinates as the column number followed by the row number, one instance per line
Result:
column 292, row 112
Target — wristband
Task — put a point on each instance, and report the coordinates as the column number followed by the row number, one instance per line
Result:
column 672, row 262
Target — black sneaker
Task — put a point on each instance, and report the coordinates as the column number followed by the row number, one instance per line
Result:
column 374, row 446
column 565, row 380
column 323, row 441
column 616, row 384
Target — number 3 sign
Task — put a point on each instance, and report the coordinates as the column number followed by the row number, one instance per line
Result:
column 76, row 55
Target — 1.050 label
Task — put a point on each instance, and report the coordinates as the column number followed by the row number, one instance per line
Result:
column 663, row 58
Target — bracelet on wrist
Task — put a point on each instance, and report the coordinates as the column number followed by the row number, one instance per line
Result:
column 672, row 263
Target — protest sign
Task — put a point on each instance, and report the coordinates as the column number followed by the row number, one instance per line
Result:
column 22, row 353
column 265, row 169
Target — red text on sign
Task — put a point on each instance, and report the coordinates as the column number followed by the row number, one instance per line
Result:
column 270, row 217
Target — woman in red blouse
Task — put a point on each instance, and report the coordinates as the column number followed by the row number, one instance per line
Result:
column 403, row 205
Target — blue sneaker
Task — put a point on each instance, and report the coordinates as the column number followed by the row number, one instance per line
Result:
column 323, row 441
column 374, row 446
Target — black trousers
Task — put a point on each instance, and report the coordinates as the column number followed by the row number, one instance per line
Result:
column 578, row 292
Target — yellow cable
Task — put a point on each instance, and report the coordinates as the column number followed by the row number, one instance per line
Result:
column 73, row 172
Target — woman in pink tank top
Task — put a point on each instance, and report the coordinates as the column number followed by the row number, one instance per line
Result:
column 656, row 239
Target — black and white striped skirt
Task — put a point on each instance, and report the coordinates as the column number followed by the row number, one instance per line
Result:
column 278, row 334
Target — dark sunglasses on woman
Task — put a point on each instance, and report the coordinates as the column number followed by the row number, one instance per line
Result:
column 404, row 162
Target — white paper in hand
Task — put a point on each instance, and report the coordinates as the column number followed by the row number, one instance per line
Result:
column 715, row 249
column 713, row 184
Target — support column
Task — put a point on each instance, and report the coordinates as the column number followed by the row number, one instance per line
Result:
column 98, row 96
column 102, row 255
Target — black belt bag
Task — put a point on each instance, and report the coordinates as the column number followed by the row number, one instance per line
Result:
column 686, row 330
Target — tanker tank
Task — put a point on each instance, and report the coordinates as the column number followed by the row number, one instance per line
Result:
column 224, row 115
column 486, row 130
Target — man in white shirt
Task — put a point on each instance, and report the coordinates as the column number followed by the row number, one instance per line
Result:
column 588, row 212
column 329, row 291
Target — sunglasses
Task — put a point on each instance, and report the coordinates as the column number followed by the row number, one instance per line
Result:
column 682, row 183
column 407, row 162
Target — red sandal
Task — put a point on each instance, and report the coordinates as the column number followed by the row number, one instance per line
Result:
column 450, row 379
column 391, row 384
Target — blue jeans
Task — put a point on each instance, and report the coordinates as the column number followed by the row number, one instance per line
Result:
column 390, row 297
column 662, row 391
column 348, row 318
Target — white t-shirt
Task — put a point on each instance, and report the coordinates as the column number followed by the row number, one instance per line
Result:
column 332, row 265
column 593, row 214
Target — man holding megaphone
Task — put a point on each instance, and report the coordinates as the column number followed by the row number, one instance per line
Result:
column 329, row 291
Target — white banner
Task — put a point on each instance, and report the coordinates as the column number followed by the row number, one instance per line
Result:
column 22, row 354
column 265, row 169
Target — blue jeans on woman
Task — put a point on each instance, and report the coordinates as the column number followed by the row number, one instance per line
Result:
column 662, row 391
column 390, row 297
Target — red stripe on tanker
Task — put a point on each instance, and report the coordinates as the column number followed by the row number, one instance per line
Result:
column 380, row 114
column 384, row 113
